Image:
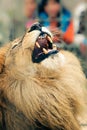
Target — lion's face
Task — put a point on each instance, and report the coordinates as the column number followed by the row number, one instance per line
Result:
column 34, row 47
column 32, row 84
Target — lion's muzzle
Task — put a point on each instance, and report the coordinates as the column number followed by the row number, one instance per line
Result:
column 44, row 45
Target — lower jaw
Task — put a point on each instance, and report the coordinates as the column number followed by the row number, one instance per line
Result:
column 43, row 56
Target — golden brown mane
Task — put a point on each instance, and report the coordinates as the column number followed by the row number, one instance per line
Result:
column 53, row 98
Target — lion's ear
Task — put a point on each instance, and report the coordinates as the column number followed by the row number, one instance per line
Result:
column 3, row 51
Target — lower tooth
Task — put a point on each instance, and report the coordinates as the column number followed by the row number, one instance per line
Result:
column 37, row 44
column 45, row 51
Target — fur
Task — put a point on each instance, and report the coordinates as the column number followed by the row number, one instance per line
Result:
column 48, row 95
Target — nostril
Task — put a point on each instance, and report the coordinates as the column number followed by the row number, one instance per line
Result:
column 36, row 26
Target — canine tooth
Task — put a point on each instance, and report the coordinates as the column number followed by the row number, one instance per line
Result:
column 37, row 44
column 49, row 38
column 45, row 51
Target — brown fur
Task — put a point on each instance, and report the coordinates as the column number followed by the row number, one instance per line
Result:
column 37, row 95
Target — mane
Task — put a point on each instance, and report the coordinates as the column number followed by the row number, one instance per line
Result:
column 54, row 98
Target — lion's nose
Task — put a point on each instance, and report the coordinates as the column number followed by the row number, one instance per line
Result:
column 36, row 26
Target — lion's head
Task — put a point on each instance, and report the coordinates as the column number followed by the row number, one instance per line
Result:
column 39, row 84
column 34, row 47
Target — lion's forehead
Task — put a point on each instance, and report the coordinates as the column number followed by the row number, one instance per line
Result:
column 54, row 62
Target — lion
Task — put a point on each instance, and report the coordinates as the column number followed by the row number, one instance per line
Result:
column 41, row 87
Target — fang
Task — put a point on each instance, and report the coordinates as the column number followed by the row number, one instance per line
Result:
column 37, row 44
column 45, row 51
column 49, row 39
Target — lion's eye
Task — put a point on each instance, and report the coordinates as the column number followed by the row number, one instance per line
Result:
column 14, row 46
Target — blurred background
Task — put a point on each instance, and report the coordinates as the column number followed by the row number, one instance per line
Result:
column 68, row 16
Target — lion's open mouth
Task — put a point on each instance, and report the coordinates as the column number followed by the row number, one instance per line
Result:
column 43, row 47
